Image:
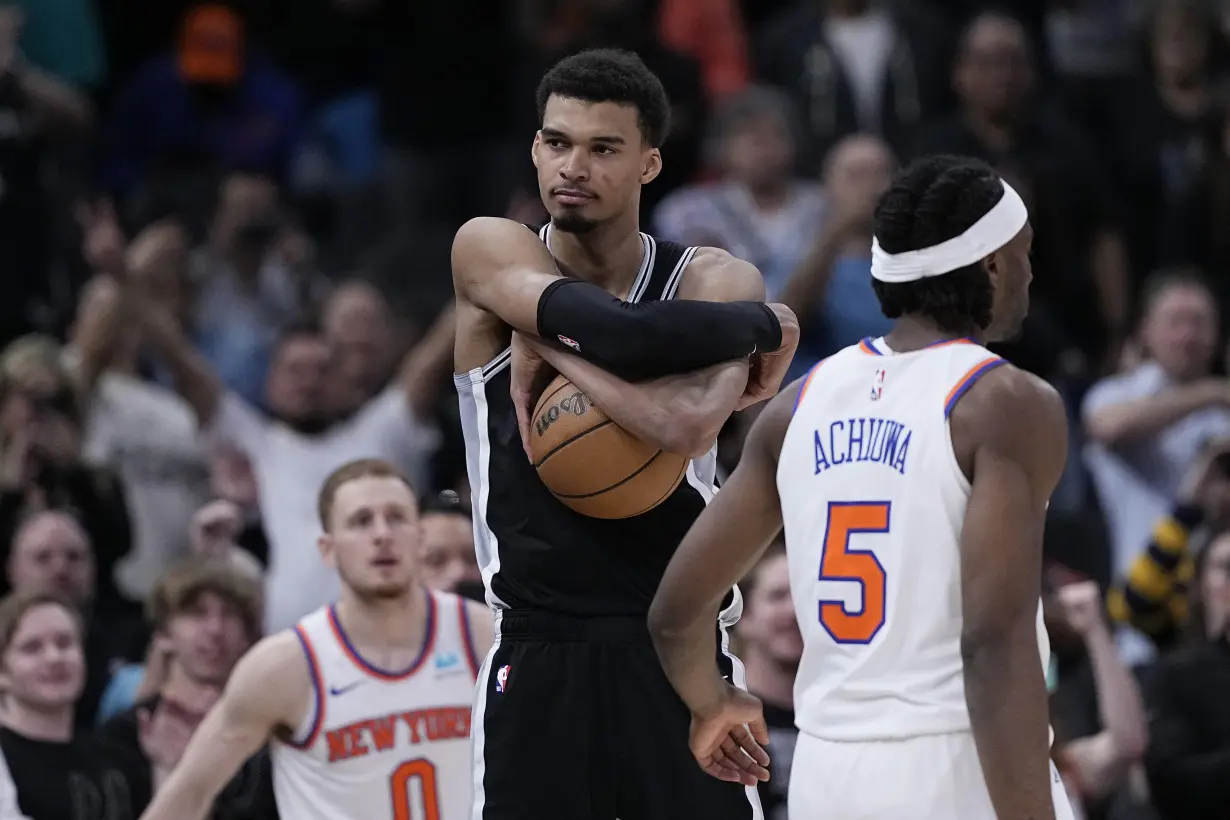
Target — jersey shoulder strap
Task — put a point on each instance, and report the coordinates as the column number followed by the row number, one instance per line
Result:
column 666, row 271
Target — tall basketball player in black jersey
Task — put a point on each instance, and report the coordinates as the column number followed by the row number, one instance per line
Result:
column 574, row 718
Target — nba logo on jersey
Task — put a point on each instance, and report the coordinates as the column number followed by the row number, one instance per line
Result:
column 501, row 678
column 877, row 385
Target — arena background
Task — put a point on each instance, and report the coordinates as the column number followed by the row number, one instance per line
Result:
column 255, row 201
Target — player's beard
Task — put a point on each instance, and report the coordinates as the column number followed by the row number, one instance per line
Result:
column 573, row 222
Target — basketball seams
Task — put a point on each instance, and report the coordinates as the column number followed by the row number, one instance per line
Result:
column 619, row 483
column 571, row 439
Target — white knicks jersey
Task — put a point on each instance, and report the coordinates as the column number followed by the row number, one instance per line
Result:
column 873, row 503
column 378, row 744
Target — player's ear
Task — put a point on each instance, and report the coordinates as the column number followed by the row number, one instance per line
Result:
column 651, row 166
column 325, row 545
column 993, row 268
column 534, row 148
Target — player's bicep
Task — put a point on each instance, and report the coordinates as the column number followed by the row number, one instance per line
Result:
column 503, row 268
column 732, row 532
column 1019, row 451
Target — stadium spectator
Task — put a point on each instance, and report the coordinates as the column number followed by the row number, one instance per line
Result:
column 38, row 115
column 1154, row 595
column 292, row 453
column 42, row 465
column 830, row 290
column 57, row 772
column 1146, row 426
column 211, row 102
column 448, row 561
column 1079, row 296
column 758, row 209
column 51, row 553
column 1097, row 747
column 1188, row 761
column 141, row 431
column 208, row 615
column 856, row 66
column 770, row 646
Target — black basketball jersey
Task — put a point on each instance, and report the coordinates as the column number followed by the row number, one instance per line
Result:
column 535, row 552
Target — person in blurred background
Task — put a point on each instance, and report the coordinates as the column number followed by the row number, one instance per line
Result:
column 51, row 553
column 856, row 66
column 38, row 115
column 142, row 431
column 210, row 102
column 1080, row 263
column 1147, row 425
column 771, row 646
column 208, row 615
column 758, row 210
column 1154, row 594
column 42, row 467
column 253, row 277
column 1103, row 732
column 448, row 560
column 830, row 290
column 57, row 773
column 1188, row 761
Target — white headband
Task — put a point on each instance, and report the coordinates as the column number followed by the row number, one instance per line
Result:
column 983, row 238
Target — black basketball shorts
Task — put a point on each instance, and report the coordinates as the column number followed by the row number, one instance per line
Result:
column 575, row 720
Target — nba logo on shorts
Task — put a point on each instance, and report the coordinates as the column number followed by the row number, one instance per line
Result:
column 501, row 678
column 877, row 385
column 570, row 342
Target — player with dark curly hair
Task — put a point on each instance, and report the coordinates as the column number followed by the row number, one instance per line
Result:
column 638, row 324
column 911, row 474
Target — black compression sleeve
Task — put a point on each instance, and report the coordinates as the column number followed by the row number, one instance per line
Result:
column 635, row 340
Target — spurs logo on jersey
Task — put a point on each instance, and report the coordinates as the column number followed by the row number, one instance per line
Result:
column 377, row 744
column 873, row 502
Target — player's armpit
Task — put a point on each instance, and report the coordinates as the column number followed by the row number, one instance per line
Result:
column 1011, row 430
column 267, row 688
column 678, row 414
column 722, row 546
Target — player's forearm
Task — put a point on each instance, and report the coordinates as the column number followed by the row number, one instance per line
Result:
column 1006, row 693
column 176, row 798
column 686, row 654
column 638, row 341
column 679, row 414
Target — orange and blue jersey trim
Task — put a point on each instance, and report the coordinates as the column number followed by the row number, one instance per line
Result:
column 967, row 381
column 349, row 650
column 318, row 692
column 811, row 374
column 867, row 344
column 467, row 636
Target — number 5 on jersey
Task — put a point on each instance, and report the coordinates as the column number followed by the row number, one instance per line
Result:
column 843, row 562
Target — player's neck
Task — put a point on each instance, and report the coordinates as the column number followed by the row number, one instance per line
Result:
column 52, row 725
column 914, row 333
column 385, row 622
column 609, row 256
column 769, row 680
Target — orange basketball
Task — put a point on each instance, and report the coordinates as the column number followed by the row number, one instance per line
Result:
column 593, row 465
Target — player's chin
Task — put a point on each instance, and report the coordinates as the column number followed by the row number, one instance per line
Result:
column 572, row 219
column 382, row 589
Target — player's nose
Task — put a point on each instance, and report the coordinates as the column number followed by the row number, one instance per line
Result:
column 575, row 167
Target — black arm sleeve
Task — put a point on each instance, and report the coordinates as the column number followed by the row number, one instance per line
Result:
column 636, row 341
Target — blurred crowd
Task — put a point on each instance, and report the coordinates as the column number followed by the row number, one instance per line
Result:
column 224, row 234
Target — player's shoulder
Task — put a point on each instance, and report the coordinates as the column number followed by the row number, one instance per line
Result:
column 274, row 679
column 1012, row 410
column 716, row 275
column 479, row 621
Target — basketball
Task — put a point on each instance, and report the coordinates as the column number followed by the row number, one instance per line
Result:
column 593, row 465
